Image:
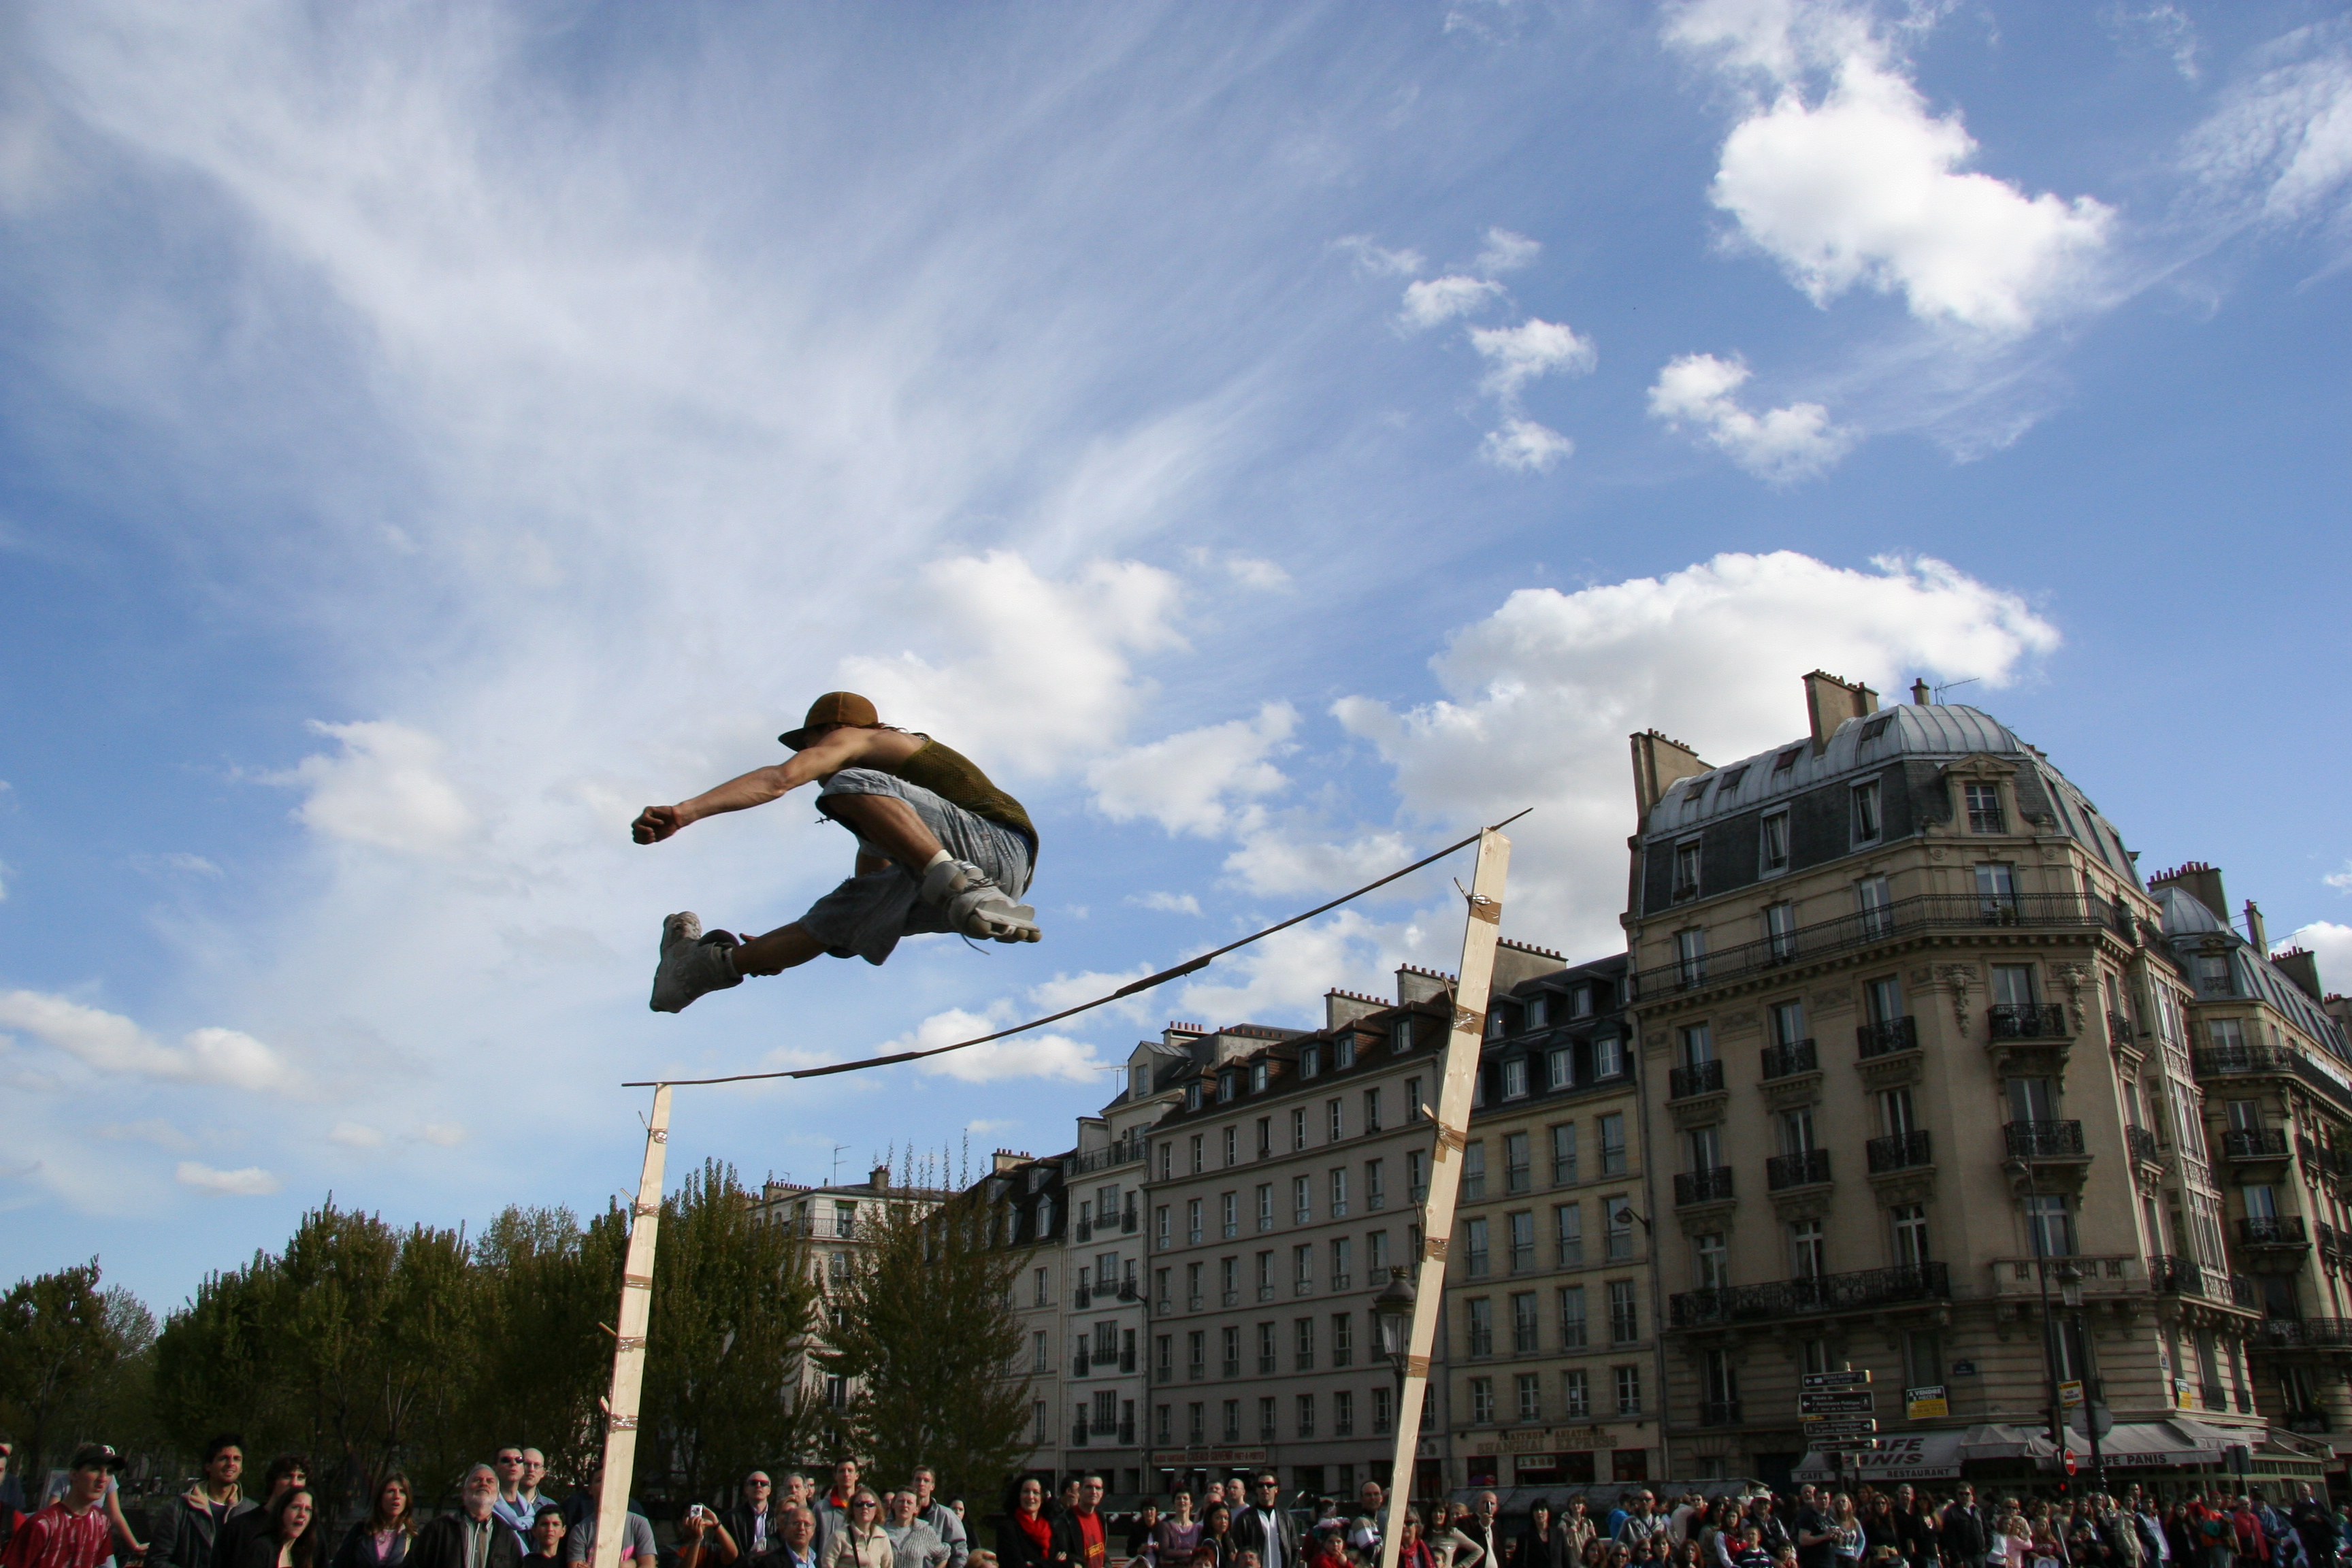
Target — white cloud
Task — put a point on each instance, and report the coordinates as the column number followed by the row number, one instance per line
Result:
column 1052, row 1057
column 2340, row 881
column 251, row 1181
column 112, row 1043
column 1284, row 858
column 356, row 1135
column 1374, row 260
column 988, row 1126
column 1436, row 301
column 156, row 1131
column 1518, row 355
column 1860, row 186
column 1507, row 252
column 2166, row 26
column 1186, row 782
column 1170, row 903
column 2331, row 944
column 1067, row 990
column 1261, row 575
column 385, row 789
column 1539, row 696
column 1525, row 446
column 1043, row 666
column 1782, row 445
column 443, row 1134
column 2279, row 148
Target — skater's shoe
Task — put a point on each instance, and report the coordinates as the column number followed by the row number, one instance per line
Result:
column 691, row 964
column 945, row 877
column 982, row 910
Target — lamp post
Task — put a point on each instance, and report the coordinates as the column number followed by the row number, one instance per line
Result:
column 1392, row 1311
column 2017, row 1169
column 2069, row 1291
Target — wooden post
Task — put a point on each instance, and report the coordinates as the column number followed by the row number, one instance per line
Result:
column 629, row 1343
column 1476, row 976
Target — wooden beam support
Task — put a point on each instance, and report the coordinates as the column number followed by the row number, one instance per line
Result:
column 621, row 1405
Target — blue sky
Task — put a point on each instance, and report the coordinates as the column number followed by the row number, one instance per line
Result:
column 1270, row 443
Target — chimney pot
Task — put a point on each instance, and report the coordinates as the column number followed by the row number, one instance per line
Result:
column 1830, row 700
column 879, row 1179
column 1920, row 695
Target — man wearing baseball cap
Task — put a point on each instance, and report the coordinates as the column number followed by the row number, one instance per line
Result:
column 939, row 848
column 73, row 1532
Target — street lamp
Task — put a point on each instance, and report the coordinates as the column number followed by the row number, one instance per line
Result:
column 2022, row 1170
column 1392, row 1312
column 2069, row 1291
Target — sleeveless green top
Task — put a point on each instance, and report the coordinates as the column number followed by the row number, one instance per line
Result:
column 954, row 777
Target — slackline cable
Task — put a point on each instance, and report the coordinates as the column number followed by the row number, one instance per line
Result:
column 1189, row 966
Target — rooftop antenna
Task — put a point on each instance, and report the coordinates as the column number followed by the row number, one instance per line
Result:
column 1956, row 685
column 835, row 1180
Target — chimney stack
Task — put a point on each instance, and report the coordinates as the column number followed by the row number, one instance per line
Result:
column 2299, row 964
column 1920, row 695
column 879, row 1179
column 2200, row 881
column 1657, row 764
column 2255, row 933
column 1830, row 701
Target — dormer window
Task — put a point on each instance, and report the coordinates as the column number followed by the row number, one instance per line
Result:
column 1401, row 1035
column 1310, row 1060
column 1138, row 1082
column 1865, row 811
column 1495, row 1025
column 1730, row 780
column 1985, row 815
column 1876, row 726
column 1687, row 870
column 1257, row 1077
column 1538, row 1006
column 1580, row 1001
column 1773, row 848
column 1785, row 760
column 1691, row 799
column 1192, row 1096
column 1227, row 1083
column 1343, row 1053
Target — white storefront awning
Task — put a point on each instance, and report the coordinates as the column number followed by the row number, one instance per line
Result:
column 1938, row 1456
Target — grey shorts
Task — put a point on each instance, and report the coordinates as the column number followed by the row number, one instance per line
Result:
column 865, row 916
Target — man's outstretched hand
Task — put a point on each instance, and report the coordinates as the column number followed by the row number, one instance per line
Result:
column 655, row 824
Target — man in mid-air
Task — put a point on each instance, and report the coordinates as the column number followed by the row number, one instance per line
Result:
column 939, row 848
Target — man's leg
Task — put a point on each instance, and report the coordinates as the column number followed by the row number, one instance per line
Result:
column 786, row 947
column 889, row 823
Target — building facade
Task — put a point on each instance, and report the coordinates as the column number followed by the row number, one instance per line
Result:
column 833, row 1220
column 1550, row 1310
column 1915, row 1056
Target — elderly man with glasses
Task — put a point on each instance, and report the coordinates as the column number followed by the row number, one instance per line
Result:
column 752, row 1522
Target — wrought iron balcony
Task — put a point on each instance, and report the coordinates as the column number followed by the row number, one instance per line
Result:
column 1886, row 1037
column 1079, row 1363
column 1899, row 1152
column 1082, row 1296
column 1927, row 912
column 1718, row 1413
column 2298, row 1333
column 2273, row 1230
column 2228, row 1061
column 1128, row 1222
column 2308, row 1421
column 2046, row 1139
column 1820, row 1293
column 1128, row 1290
column 2254, row 1144
column 1708, row 1186
column 2118, row 1026
column 1232, row 1297
column 1802, row 1169
column 1078, row 1434
column 1787, row 1061
column 1127, row 1434
column 2217, row 986
column 1699, row 1077
column 2144, row 1145
column 1086, row 1228
column 1126, row 1360
column 2026, row 1021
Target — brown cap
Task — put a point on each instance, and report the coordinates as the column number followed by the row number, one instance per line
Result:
column 833, row 708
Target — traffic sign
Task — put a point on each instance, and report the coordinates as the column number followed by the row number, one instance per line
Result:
column 1831, row 1401
column 1821, row 1427
column 1847, row 1379
column 2069, row 1461
column 2070, row 1393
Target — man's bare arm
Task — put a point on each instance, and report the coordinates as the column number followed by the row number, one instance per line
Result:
column 822, row 758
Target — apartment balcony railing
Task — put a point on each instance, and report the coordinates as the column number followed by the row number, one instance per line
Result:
column 1708, row 1186
column 1127, row 1223
column 1080, row 1366
column 1820, row 1293
column 2299, row 1333
column 2228, row 1061
column 1231, row 1298
column 1079, row 1435
column 2254, row 1144
column 2118, row 1026
column 2174, row 1276
column 2046, row 1139
column 2273, row 1230
column 1887, row 1037
column 1266, row 1434
column 1196, row 1372
column 1234, row 1367
column 1126, row 1360
column 1787, row 1061
column 1265, row 1367
column 2026, row 1021
column 1195, row 1302
column 1699, row 1077
column 2217, row 986
column 1802, row 1169
column 1083, row 1297
column 1126, row 1151
column 1718, row 1413
column 1085, row 1227
column 1899, row 1152
column 1127, row 1434
column 2144, row 1145
column 2308, row 1421
column 1266, row 1292
column 1128, row 1290
column 1903, row 917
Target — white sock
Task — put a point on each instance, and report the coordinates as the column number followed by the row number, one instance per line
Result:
column 935, row 860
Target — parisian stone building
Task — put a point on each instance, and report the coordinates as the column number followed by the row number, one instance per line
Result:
column 1918, row 1074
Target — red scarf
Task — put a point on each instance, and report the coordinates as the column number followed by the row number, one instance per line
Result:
column 1036, row 1527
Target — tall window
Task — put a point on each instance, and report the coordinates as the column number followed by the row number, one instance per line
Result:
column 1897, row 1117
column 1371, row 1110
column 1307, row 1416
column 1984, row 809
column 1375, row 1192
column 1230, row 1207
column 1530, row 1397
column 1788, row 1022
column 1515, row 1079
column 1690, row 956
column 1629, row 1391
column 1698, row 1045
column 1687, row 870
column 1416, row 1175
column 1231, row 1337
column 1523, row 1324
column 1302, row 1334
column 1473, row 1171
column 1334, row 1122
column 1343, row 1251
column 1612, row 1128
column 1481, row 1401
column 1567, row 1230
column 1713, row 1260
column 1706, row 1147
column 2012, row 984
column 1040, row 1356
column 1193, row 1286
column 1474, row 1238
column 1875, row 905
column 1997, row 890
column 2049, row 1228
column 1608, row 1056
column 1302, row 1200
column 1302, row 1269
column 1884, row 998
column 1377, row 1243
column 1343, row 1340
column 1199, row 1157
column 1865, row 811
column 1796, row 1130
column 1563, row 1155
column 1624, row 1321
column 1721, row 1373
column 1910, row 1224
column 1479, row 1313
column 1265, row 1206
column 1258, row 1074
column 1401, row 1035
column 1383, row 1411
column 1780, row 932
column 1775, row 835
column 1265, row 1275
column 1192, row 1219
column 1297, row 1129
column 1343, row 1051
column 1523, row 1241
column 1265, row 1137
column 1233, row 1145
column 1518, row 1169
column 1618, row 1236
column 1195, row 1424
column 1571, row 1317
column 1339, row 1192
column 1310, row 1060
column 1559, row 1069
column 1575, row 1395
column 1808, row 1249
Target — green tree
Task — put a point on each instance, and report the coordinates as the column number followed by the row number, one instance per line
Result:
column 924, row 1322
column 548, row 1286
column 58, row 1341
column 731, row 1301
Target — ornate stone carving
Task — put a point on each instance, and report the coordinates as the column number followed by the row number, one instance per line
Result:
column 1831, row 999
column 1962, row 979
column 2073, row 975
column 1733, row 1023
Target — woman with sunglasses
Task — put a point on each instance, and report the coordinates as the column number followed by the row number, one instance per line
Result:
column 861, row 1543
